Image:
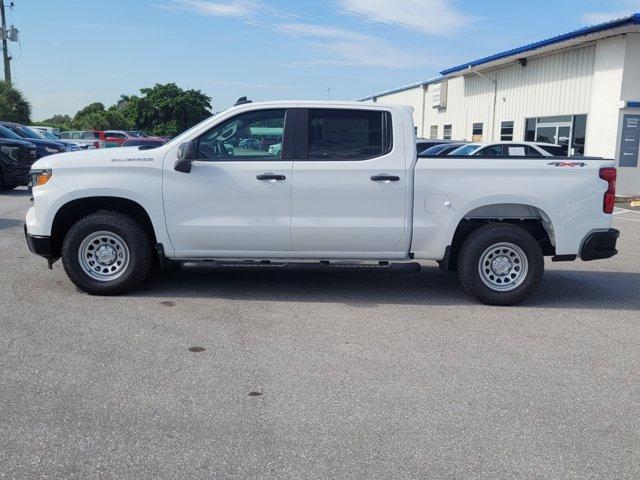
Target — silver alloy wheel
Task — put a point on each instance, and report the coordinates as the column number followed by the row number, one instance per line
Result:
column 104, row 256
column 503, row 267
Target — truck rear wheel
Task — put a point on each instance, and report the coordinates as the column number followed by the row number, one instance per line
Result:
column 107, row 253
column 500, row 264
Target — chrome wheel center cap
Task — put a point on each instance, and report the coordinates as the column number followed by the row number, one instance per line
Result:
column 501, row 265
column 106, row 255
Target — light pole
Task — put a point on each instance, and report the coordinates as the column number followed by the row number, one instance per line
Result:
column 5, row 48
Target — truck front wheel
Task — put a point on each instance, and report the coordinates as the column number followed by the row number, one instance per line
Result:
column 107, row 253
column 500, row 264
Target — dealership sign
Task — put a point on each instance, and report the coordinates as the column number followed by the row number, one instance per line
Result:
column 439, row 95
column 630, row 141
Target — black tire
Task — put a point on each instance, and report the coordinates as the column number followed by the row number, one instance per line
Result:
column 136, row 240
column 477, row 245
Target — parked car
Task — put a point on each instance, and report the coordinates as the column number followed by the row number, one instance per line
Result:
column 114, row 138
column 145, row 143
column 440, row 150
column 352, row 195
column 71, row 145
column 44, row 147
column 83, row 137
column 510, row 149
column 138, row 133
column 16, row 159
column 423, row 143
column 52, row 130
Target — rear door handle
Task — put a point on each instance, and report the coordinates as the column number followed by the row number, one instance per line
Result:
column 271, row 176
column 385, row 178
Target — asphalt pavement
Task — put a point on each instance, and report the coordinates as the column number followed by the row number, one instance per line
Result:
column 318, row 373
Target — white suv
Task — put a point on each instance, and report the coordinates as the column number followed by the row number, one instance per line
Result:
column 511, row 149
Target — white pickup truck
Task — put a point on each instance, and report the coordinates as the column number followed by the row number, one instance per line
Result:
column 346, row 187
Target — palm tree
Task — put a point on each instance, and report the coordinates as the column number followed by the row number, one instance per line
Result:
column 13, row 106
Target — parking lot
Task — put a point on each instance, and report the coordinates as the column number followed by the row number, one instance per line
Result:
column 317, row 372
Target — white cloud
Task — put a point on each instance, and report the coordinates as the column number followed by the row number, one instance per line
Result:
column 230, row 8
column 433, row 17
column 338, row 46
column 620, row 9
column 350, row 48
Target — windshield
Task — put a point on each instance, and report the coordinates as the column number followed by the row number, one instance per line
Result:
column 48, row 135
column 436, row 149
column 6, row 133
column 27, row 132
column 466, row 150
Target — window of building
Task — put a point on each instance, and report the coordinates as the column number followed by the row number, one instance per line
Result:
column 567, row 131
column 476, row 135
column 447, row 132
column 433, row 134
column 579, row 134
column 530, row 130
column 348, row 134
column 506, row 132
column 248, row 136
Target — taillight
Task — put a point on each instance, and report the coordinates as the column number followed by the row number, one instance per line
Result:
column 96, row 144
column 610, row 175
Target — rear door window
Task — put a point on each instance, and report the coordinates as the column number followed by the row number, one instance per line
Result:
column 340, row 134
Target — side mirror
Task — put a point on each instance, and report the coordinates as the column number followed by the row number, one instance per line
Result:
column 187, row 152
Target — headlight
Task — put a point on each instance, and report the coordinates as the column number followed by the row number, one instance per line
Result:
column 51, row 150
column 12, row 152
column 40, row 177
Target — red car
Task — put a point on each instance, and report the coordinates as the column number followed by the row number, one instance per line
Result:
column 113, row 138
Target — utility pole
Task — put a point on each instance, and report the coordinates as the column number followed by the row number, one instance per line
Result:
column 328, row 90
column 5, row 48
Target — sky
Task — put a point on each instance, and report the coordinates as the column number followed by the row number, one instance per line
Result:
column 74, row 52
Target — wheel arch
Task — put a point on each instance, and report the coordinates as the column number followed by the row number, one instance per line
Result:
column 72, row 211
column 530, row 217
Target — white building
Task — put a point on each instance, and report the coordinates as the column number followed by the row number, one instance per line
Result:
column 580, row 90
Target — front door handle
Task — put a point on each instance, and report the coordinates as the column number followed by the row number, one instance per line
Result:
column 385, row 178
column 271, row 176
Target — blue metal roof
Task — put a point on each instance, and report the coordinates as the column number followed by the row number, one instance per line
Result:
column 631, row 20
column 622, row 22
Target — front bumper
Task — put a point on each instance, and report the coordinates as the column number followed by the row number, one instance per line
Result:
column 600, row 245
column 16, row 175
column 39, row 245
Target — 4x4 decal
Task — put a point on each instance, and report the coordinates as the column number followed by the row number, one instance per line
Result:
column 567, row 164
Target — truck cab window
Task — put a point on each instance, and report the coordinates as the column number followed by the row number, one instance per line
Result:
column 347, row 134
column 248, row 136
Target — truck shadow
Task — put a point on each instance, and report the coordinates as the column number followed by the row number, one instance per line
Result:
column 368, row 287
column 18, row 192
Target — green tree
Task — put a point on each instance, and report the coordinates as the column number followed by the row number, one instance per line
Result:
column 13, row 106
column 163, row 110
column 168, row 110
column 62, row 122
column 91, row 117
